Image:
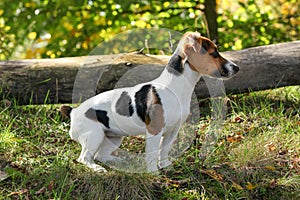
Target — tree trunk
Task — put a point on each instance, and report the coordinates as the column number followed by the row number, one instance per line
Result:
column 211, row 19
column 67, row 80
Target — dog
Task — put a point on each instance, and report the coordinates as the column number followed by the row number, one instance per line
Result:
column 157, row 108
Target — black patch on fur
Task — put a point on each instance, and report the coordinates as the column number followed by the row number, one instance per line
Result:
column 124, row 105
column 174, row 65
column 157, row 98
column 141, row 98
column 99, row 115
column 205, row 46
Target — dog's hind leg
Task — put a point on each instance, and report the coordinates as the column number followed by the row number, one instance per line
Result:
column 109, row 144
column 91, row 141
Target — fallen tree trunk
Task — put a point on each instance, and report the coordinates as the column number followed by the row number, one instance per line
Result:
column 67, row 80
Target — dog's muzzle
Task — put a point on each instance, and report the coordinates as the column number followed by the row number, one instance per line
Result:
column 229, row 69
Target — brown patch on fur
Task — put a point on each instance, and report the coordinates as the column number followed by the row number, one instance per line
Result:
column 156, row 114
column 154, row 120
column 202, row 63
column 198, row 51
column 193, row 67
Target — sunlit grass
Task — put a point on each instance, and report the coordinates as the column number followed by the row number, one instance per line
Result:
column 257, row 155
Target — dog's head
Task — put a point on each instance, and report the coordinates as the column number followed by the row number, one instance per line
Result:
column 202, row 56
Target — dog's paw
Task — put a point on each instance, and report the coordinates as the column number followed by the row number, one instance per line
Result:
column 113, row 159
column 152, row 167
column 97, row 168
column 153, row 170
column 92, row 165
column 164, row 163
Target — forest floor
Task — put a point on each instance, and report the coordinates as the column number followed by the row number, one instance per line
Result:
column 256, row 155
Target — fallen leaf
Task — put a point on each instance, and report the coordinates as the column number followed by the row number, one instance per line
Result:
column 236, row 186
column 246, row 130
column 50, row 186
column 236, row 137
column 250, row 186
column 23, row 191
column 238, row 120
column 215, row 175
column 40, row 191
column 273, row 183
column 204, row 127
column 271, row 146
column 271, row 168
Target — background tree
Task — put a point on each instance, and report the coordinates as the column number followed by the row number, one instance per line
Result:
column 58, row 28
column 210, row 12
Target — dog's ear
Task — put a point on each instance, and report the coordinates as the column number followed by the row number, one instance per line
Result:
column 205, row 45
column 192, row 44
column 196, row 44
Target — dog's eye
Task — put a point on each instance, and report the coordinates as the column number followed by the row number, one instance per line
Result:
column 215, row 54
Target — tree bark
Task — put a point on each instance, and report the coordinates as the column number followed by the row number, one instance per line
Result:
column 211, row 19
column 67, row 80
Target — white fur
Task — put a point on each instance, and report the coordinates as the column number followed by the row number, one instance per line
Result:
column 98, row 142
column 174, row 91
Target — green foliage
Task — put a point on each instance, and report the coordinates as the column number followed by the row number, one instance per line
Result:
column 254, row 23
column 57, row 28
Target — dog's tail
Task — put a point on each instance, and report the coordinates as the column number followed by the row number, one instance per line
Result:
column 65, row 110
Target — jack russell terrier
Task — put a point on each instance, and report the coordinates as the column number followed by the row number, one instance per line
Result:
column 157, row 108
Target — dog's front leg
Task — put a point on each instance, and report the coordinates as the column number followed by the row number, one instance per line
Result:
column 152, row 151
column 165, row 147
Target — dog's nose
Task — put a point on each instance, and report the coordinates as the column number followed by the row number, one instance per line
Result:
column 230, row 69
column 235, row 68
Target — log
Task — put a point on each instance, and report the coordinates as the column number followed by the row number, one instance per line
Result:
column 74, row 79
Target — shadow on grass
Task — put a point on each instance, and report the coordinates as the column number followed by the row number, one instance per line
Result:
column 62, row 182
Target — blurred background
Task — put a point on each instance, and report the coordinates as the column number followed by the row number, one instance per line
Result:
column 59, row 28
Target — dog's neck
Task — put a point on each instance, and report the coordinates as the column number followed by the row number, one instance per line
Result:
column 179, row 77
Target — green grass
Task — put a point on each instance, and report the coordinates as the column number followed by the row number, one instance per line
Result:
column 257, row 156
